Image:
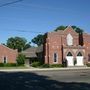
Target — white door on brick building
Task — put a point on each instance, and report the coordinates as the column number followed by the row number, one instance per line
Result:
column 79, row 60
column 69, row 58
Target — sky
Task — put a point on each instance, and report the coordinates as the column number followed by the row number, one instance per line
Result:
column 28, row 18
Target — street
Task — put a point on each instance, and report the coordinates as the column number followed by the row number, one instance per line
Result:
column 68, row 76
column 45, row 80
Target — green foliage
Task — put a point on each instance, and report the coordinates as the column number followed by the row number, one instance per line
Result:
column 8, row 65
column 45, row 66
column 36, row 64
column 88, row 64
column 38, row 40
column 18, row 43
column 20, row 60
column 27, row 45
column 1, row 64
column 77, row 29
column 60, row 28
column 56, row 65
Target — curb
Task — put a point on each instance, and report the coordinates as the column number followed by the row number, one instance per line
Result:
column 44, row 69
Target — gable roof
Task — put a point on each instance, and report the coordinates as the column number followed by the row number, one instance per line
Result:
column 69, row 29
column 32, row 51
column 39, row 49
column 3, row 46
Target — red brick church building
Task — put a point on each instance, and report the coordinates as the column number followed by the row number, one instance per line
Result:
column 67, row 45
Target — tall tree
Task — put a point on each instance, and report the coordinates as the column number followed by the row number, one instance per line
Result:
column 18, row 43
column 38, row 40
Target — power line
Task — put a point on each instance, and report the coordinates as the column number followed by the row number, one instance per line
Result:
column 23, row 31
column 9, row 3
column 28, row 31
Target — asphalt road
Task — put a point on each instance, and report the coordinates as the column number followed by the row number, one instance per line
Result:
column 46, row 80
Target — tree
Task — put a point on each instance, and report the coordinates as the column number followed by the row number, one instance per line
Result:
column 60, row 28
column 27, row 46
column 38, row 40
column 21, row 59
column 77, row 29
column 18, row 43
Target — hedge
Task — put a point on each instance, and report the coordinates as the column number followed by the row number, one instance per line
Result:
column 36, row 64
column 45, row 66
column 8, row 64
column 56, row 65
column 88, row 64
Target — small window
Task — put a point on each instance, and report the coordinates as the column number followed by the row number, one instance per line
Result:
column 79, row 54
column 69, row 54
column 55, row 57
column 4, row 60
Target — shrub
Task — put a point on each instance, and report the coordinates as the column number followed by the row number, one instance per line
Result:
column 10, row 64
column 7, row 64
column 36, row 64
column 56, row 65
column 20, row 60
column 45, row 66
column 1, row 64
column 88, row 64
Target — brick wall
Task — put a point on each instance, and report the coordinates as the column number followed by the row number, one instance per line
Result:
column 10, row 54
column 56, row 41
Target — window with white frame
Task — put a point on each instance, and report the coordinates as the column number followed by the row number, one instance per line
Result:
column 4, row 59
column 55, row 57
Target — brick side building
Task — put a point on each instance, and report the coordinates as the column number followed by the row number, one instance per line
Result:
column 67, row 46
column 7, row 55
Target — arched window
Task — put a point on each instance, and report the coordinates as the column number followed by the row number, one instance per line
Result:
column 69, row 54
column 79, row 54
column 69, row 40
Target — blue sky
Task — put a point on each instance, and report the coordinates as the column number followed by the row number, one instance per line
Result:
column 34, row 16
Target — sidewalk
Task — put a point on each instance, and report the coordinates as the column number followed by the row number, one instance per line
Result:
column 44, row 69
